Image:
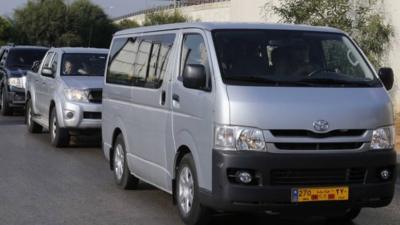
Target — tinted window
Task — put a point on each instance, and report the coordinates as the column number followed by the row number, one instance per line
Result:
column 194, row 52
column 140, row 61
column 83, row 64
column 286, row 58
column 24, row 57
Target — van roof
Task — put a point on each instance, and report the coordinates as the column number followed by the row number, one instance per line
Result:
column 83, row 50
column 228, row 25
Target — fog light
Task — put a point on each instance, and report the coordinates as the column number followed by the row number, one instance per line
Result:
column 385, row 174
column 69, row 115
column 244, row 177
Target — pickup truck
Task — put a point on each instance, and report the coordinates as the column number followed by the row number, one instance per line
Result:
column 65, row 94
column 15, row 61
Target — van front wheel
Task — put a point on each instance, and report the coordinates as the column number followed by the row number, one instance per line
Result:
column 187, row 194
column 122, row 174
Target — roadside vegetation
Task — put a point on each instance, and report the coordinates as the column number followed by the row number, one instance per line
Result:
column 70, row 23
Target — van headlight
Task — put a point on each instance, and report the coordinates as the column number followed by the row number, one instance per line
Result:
column 77, row 95
column 383, row 138
column 18, row 82
column 239, row 138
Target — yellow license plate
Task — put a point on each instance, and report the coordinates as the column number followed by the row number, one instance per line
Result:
column 320, row 194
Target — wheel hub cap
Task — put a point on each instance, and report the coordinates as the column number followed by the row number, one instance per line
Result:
column 186, row 190
column 119, row 162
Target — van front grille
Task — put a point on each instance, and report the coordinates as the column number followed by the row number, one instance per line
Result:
column 318, row 146
column 318, row 176
column 311, row 134
column 95, row 96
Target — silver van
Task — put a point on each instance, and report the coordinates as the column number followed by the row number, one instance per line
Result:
column 249, row 117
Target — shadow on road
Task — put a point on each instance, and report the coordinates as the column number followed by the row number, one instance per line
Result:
column 265, row 219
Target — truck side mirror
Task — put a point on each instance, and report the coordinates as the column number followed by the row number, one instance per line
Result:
column 194, row 76
column 47, row 72
column 35, row 66
column 387, row 77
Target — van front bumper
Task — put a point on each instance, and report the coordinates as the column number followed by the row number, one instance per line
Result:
column 16, row 97
column 265, row 194
column 84, row 115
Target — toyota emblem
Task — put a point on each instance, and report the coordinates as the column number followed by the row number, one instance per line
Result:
column 321, row 125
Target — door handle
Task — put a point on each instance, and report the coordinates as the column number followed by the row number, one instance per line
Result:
column 175, row 97
column 163, row 95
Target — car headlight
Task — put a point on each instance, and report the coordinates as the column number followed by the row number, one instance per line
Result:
column 18, row 82
column 383, row 138
column 239, row 138
column 77, row 95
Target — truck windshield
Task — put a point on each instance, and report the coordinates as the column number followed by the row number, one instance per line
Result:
column 83, row 64
column 20, row 58
column 291, row 58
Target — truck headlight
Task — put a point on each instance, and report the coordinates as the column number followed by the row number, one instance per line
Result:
column 18, row 82
column 239, row 138
column 77, row 95
column 383, row 138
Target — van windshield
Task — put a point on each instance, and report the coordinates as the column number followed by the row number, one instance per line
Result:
column 83, row 64
column 291, row 58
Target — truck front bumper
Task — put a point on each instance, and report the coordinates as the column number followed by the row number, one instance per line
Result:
column 81, row 115
column 275, row 175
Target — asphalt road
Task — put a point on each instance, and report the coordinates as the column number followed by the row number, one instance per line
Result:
column 42, row 185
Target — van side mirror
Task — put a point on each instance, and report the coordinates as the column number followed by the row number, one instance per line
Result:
column 387, row 77
column 194, row 76
column 47, row 72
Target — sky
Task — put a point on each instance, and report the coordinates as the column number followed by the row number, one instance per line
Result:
column 113, row 8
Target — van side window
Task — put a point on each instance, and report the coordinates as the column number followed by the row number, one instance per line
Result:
column 140, row 61
column 194, row 51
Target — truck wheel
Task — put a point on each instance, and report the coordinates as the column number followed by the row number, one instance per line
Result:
column 59, row 137
column 348, row 216
column 123, row 176
column 5, row 109
column 187, row 194
column 32, row 126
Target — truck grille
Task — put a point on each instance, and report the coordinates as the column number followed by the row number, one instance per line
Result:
column 96, row 96
column 318, row 176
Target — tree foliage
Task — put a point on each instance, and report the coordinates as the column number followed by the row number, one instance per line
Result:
column 5, row 30
column 164, row 17
column 126, row 24
column 363, row 20
column 56, row 23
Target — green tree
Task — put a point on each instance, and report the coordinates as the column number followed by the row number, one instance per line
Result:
column 363, row 20
column 5, row 30
column 164, row 17
column 90, row 22
column 126, row 24
column 40, row 22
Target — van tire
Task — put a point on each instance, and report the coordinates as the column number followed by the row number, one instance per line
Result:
column 122, row 175
column 197, row 214
column 59, row 137
column 348, row 216
column 5, row 108
column 32, row 126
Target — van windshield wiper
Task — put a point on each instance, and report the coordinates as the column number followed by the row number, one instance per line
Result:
column 265, row 80
column 335, row 81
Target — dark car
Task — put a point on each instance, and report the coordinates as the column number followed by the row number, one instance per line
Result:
column 14, row 62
